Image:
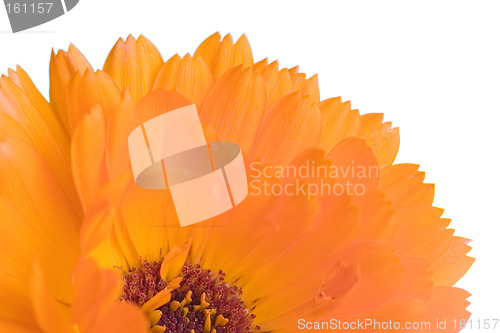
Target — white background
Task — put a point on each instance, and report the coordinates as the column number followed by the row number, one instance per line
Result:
column 432, row 67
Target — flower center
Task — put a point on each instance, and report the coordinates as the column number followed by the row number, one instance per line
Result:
column 203, row 303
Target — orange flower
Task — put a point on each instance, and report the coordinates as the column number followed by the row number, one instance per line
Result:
column 86, row 250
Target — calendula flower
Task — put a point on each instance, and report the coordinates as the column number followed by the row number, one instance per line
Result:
column 84, row 249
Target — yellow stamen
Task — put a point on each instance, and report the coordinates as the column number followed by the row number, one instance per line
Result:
column 174, row 305
column 154, row 317
column 221, row 321
column 185, row 311
column 207, row 326
column 187, row 299
column 158, row 329
column 162, row 297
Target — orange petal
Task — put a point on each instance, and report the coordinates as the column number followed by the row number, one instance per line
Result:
column 278, row 82
column 21, row 243
column 120, row 123
column 100, row 240
column 21, row 79
column 52, row 145
column 381, row 137
column 51, row 315
column 162, row 297
column 404, row 186
column 292, row 124
column 29, row 185
column 377, row 218
column 121, row 318
column 307, row 87
column 381, row 277
column 250, row 219
column 450, row 304
column 134, row 65
column 96, row 292
column 147, row 221
column 96, row 227
column 188, row 76
column 87, row 153
column 223, row 55
column 326, row 238
column 86, row 90
column 16, row 306
column 339, row 122
column 259, row 66
column 157, row 103
column 452, row 264
column 354, row 166
column 174, row 260
column 235, row 107
column 63, row 66
column 13, row 327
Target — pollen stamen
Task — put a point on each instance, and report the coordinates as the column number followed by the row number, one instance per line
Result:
column 198, row 301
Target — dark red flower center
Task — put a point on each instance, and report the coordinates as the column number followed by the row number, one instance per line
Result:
column 204, row 301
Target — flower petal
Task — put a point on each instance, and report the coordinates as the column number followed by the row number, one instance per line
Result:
column 52, row 145
column 291, row 125
column 453, row 264
column 339, row 122
column 21, row 79
column 31, row 188
column 174, row 260
column 88, row 157
column 120, row 123
column 51, row 315
column 447, row 303
column 235, row 107
column 188, row 76
column 307, row 87
column 63, row 66
column 355, row 166
column 381, row 137
column 157, row 103
column 223, row 55
column 86, row 90
column 21, row 244
column 96, row 292
column 134, row 65
column 121, row 318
